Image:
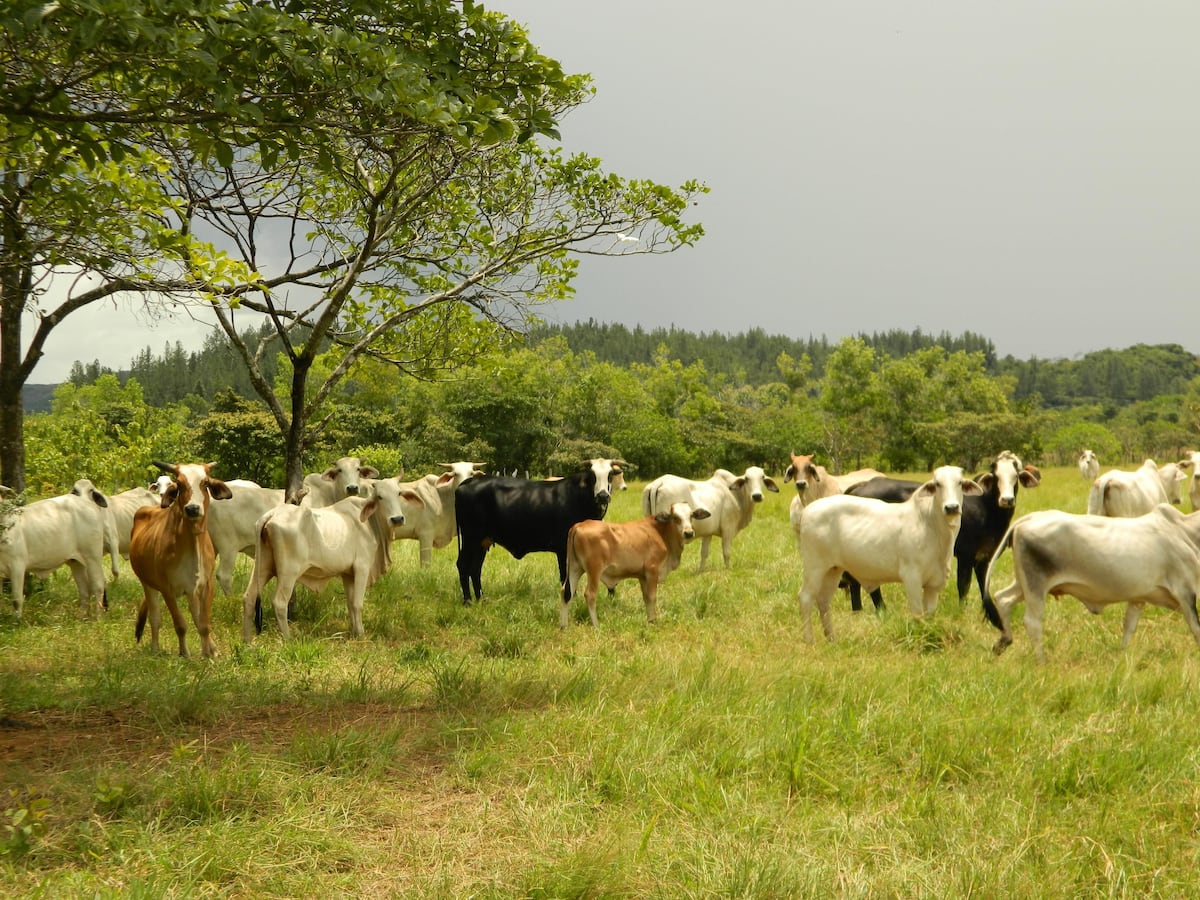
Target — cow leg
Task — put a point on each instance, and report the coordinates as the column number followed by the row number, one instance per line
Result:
column 877, row 599
column 966, row 568
column 1187, row 605
column 426, row 552
column 570, row 587
column 470, row 570
column 649, row 581
column 85, row 584
column 354, row 600
column 177, row 620
column 283, row 594
column 705, row 543
column 148, row 610
column 727, row 548
column 16, row 580
column 1133, row 612
column 1004, row 601
column 201, row 607
column 590, row 596
column 818, row 590
column 561, row 556
column 855, row 589
column 1035, row 609
column 225, row 573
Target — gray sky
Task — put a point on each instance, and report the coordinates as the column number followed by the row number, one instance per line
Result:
column 1023, row 169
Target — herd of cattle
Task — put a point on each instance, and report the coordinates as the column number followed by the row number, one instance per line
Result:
column 859, row 530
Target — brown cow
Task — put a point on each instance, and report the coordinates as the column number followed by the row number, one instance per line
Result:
column 647, row 549
column 172, row 554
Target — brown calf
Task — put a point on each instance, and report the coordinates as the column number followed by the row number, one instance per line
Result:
column 171, row 553
column 647, row 549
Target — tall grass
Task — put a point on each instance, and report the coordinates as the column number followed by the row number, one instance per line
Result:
column 479, row 751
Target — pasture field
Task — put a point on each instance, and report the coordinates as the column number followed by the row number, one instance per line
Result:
column 481, row 752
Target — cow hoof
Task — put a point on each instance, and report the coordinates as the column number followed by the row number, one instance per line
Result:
column 1001, row 645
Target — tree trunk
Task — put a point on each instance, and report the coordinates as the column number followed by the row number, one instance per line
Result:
column 14, row 288
column 294, row 443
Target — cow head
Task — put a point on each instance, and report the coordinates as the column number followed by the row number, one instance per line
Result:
column 680, row 517
column 191, row 488
column 84, row 488
column 1005, row 475
column 947, row 488
column 160, row 484
column 459, row 472
column 756, row 481
column 801, row 470
column 391, row 499
column 346, row 474
column 600, row 472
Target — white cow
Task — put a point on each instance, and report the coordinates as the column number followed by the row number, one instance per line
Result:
column 122, row 506
column 1153, row 558
column 434, row 525
column 727, row 498
column 71, row 530
column 1191, row 466
column 340, row 480
column 350, row 539
column 1127, row 494
column 231, row 525
column 1089, row 466
column 880, row 543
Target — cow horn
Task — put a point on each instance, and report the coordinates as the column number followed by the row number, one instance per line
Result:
column 166, row 467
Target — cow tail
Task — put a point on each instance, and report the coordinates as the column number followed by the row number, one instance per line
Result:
column 143, row 610
column 570, row 555
column 989, row 607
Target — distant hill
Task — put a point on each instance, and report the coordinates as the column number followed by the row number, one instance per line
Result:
column 37, row 397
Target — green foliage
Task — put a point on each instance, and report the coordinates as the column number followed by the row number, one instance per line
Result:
column 22, row 823
column 242, row 439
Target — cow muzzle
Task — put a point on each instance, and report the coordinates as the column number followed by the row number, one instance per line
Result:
column 952, row 509
column 352, row 490
column 193, row 510
column 396, row 521
column 688, row 535
column 1006, row 502
column 757, row 498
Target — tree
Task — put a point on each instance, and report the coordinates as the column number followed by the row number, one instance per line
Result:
column 92, row 92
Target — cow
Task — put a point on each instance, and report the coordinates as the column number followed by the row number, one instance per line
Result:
column 231, row 525
column 1089, row 466
column 1153, row 558
column 813, row 482
column 72, row 530
column 728, row 499
column 910, row 542
column 125, row 504
column 648, row 549
column 985, row 519
column 526, row 516
column 1191, row 466
column 172, row 554
column 1130, row 494
column 434, row 524
column 350, row 539
column 340, row 480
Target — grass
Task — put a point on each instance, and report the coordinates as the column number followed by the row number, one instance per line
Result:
column 481, row 752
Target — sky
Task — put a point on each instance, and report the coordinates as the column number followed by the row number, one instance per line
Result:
column 1022, row 169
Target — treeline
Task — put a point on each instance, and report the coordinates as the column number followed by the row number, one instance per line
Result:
column 1109, row 378
column 541, row 407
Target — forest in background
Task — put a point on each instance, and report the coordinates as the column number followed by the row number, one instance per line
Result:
column 664, row 399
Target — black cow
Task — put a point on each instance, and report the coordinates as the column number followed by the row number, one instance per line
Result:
column 985, row 519
column 525, row 516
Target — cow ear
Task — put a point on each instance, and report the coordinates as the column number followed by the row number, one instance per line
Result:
column 412, row 497
column 812, row 472
column 371, row 472
column 168, row 496
column 662, row 518
column 368, row 509
column 329, row 474
column 771, row 485
column 99, row 499
column 444, row 478
column 700, row 513
column 738, row 483
column 987, row 480
column 218, row 489
column 971, row 488
column 788, row 473
column 928, row 489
